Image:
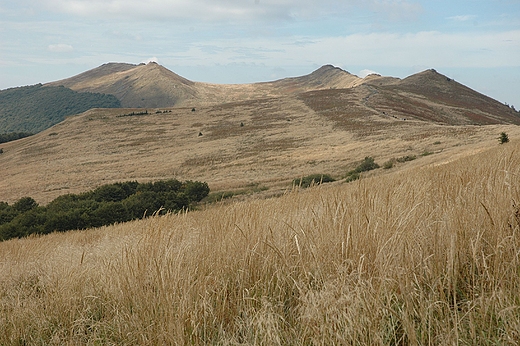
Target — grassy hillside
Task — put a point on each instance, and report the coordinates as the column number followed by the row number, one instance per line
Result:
column 37, row 107
column 427, row 255
column 281, row 139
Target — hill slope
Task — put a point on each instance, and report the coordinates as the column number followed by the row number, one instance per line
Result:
column 267, row 142
column 249, row 135
column 436, row 97
column 427, row 96
column 36, row 108
column 427, row 255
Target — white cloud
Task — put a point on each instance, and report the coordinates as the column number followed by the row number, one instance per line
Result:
column 152, row 59
column 228, row 10
column 364, row 73
column 60, row 48
column 430, row 49
column 463, row 18
column 396, row 9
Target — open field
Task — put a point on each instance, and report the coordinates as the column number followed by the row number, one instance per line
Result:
column 425, row 254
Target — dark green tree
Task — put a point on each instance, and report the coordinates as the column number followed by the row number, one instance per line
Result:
column 25, row 204
column 504, row 138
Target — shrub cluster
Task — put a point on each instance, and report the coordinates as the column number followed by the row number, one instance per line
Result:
column 390, row 163
column 406, row 158
column 313, row 179
column 108, row 204
column 366, row 165
column 145, row 112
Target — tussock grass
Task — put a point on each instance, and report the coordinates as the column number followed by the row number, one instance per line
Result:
column 430, row 256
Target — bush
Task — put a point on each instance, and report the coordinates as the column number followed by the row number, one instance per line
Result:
column 108, row 204
column 366, row 165
column 389, row 164
column 313, row 179
column 504, row 138
column 406, row 158
column 25, row 204
column 352, row 177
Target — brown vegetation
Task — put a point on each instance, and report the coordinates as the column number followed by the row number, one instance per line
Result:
column 422, row 252
column 425, row 255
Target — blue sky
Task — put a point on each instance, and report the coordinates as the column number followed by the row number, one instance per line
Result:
column 237, row 41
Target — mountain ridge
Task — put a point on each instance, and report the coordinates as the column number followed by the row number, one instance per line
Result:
column 157, row 86
column 426, row 96
column 152, row 85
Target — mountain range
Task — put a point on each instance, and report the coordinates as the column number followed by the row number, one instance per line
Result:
column 248, row 137
column 428, row 95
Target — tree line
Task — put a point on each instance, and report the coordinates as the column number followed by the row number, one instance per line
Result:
column 37, row 107
column 12, row 136
column 108, row 204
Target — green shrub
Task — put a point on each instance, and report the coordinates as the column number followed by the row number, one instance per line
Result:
column 108, row 204
column 504, row 138
column 25, row 204
column 406, row 158
column 352, row 177
column 366, row 165
column 389, row 164
column 313, row 179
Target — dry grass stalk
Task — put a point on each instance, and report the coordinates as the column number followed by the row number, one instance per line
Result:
column 430, row 256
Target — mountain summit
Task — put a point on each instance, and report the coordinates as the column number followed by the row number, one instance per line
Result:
column 139, row 86
column 152, row 85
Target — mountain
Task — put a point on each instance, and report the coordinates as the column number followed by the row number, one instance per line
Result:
column 330, row 91
column 451, row 101
column 427, row 96
column 326, row 77
column 152, row 85
column 136, row 86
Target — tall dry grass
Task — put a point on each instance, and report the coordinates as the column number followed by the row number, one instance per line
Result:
column 430, row 256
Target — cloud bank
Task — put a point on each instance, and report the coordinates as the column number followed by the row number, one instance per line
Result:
column 228, row 10
column 60, row 48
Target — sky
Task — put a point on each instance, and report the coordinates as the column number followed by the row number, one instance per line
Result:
column 475, row 42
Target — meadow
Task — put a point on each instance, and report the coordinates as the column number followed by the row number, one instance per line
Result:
column 428, row 255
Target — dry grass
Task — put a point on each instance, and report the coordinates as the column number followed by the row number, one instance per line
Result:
column 282, row 139
column 425, row 256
